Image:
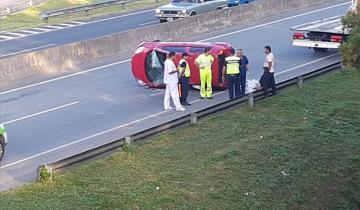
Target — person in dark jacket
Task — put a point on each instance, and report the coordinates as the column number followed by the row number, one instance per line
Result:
column 244, row 67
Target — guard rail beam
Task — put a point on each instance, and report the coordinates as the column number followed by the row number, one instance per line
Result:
column 84, row 8
column 10, row 10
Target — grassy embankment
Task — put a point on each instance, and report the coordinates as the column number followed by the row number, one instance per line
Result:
column 298, row 150
column 31, row 17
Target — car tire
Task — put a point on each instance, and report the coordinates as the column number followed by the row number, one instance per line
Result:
column 316, row 49
column 192, row 13
column 2, row 148
column 162, row 21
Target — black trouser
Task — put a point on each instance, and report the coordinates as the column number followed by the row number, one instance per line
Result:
column 242, row 84
column 184, row 83
column 268, row 81
column 233, row 82
column 272, row 83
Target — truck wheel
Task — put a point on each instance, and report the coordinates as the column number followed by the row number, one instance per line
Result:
column 316, row 49
column 2, row 149
column 192, row 13
column 162, row 21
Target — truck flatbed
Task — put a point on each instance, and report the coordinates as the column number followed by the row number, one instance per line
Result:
column 331, row 25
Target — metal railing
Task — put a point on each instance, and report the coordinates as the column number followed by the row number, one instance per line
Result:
column 10, row 10
column 189, row 118
column 84, row 8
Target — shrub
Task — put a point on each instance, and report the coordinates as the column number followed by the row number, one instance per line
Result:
column 350, row 49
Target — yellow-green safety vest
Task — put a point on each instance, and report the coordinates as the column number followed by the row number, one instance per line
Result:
column 232, row 65
column 187, row 68
column 205, row 62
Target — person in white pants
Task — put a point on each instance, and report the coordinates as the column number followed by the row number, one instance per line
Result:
column 171, row 81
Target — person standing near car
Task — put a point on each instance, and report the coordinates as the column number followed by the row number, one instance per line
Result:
column 184, row 76
column 204, row 63
column 231, row 72
column 244, row 68
column 171, row 81
column 270, row 65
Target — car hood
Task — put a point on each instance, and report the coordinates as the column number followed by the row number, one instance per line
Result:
column 176, row 6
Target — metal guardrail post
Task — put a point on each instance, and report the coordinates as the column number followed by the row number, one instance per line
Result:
column 251, row 99
column 193, row 118
column 300, row 82
column 47, row 169
column 128, row 140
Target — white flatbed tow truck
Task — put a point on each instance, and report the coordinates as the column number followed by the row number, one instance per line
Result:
column 323, row 34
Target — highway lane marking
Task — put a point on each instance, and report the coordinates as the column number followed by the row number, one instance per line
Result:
column 41, row 29
column 276, row 21
column 35, row 48
column 75, row 24
column 54, row 26
column 149, row 23
column 30, row 32
column 63, row 77
column 15, row 34
column 7, row 37
column 41, row 113
column 130, row 123
column 314, row 61
column 124, row 61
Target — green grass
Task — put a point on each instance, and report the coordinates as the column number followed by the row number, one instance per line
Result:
column 31, row 17
column 298, row 150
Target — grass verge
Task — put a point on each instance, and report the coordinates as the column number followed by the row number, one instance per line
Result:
column 298, row 150
column 31, row 17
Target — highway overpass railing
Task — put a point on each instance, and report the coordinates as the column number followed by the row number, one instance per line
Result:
column 10, row 10
column 192, row 118
column 84, row 8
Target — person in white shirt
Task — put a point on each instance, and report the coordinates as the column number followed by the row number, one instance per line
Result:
column 171, row 81
column 270, row 65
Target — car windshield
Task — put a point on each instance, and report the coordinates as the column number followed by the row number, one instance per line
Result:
column 183, row 1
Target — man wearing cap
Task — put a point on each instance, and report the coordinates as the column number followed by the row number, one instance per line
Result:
column 184, row 76
column 231, row 72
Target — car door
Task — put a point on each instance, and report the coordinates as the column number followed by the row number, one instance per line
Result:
column 200, row 7
column 219, row 3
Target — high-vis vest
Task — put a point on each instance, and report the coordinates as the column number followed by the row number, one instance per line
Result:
column 187, row 68
column 232, row 65
column 205, row 62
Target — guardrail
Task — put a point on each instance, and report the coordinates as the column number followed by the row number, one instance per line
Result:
column 84, row 8
column 10, row 10
column 190, row 118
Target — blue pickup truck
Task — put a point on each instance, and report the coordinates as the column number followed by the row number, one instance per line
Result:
column 233, row 3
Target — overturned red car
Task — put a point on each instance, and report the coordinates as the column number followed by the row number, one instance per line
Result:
column 147, row 64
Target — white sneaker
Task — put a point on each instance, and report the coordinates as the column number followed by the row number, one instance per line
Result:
column 180, row 109
column 168, row 108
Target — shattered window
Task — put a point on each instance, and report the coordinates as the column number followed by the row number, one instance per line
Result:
column 155, row 67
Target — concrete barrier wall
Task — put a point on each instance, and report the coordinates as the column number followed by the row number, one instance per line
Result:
column 68, row 58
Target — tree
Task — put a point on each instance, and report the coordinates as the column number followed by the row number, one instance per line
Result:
column 350, row 49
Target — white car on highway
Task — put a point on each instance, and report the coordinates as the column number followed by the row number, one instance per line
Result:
column 3, row 140
column 184, row 8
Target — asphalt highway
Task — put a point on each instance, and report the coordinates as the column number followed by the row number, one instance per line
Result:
column 59, row 118
column 22, row 41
